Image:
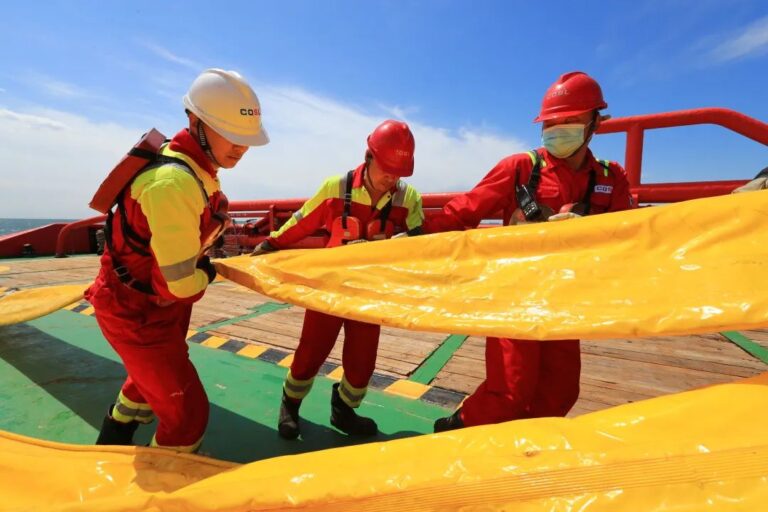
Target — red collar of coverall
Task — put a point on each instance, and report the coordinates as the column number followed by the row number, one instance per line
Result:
column 183, row 142
column 589, row 161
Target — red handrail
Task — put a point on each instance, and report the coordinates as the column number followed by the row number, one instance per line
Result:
column 61, row 241
column 292, row 204
column 633, row 126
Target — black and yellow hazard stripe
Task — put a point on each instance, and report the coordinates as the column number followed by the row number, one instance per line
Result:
column 386, row 383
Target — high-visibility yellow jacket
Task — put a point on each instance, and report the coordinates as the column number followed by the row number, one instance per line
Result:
column 157, row 233
column 328, row 204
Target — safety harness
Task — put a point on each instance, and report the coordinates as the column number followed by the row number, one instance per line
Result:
column 349, row 226
column 144, row 156
column 136, row 242
column 526, row 194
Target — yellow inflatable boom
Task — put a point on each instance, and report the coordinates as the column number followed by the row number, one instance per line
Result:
column 694, row 451
column 697, row 266
column 23, row 305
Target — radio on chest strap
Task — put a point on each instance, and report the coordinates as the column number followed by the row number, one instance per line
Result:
column 526, row 194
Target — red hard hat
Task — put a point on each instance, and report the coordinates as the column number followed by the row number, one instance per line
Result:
column 392, row 145
column 572, row 94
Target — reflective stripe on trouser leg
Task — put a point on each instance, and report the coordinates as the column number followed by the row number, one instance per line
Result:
column 126, row 410
column 351, row 395
column 186, row 449
column 155, row 354
column 297, row 388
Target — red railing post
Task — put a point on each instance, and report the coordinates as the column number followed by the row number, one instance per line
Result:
column 271, row 213
column 634, row 155
column 61, row 241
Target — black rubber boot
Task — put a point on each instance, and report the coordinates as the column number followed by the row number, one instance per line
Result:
column 116, row 432
column 451, row 422
column 288, row 424
column 344, row 417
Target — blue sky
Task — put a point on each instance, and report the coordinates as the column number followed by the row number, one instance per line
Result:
column 80, row 81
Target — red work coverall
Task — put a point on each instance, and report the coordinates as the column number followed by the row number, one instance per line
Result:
column 319, row 332
column 528, row 379
column 166, row 208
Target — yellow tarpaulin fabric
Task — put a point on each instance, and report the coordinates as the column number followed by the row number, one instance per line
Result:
column 700, row 450
column 697, row 266
column 24, row 305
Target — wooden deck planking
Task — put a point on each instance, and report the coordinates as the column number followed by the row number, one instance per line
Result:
column 621, row 371
column 759, row 337
column 614, row 372
column 47, row 271
column 223, row 301
column 724, row 363
column 466, row 369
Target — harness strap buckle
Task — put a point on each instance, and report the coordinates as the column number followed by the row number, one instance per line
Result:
column 125, row 277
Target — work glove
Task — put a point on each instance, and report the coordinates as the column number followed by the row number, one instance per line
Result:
column 563, row 216
column 518, row 217
column 263, row 248
column 206, row 265
column 759, row 183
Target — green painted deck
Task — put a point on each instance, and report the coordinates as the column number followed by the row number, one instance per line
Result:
column 57, row 375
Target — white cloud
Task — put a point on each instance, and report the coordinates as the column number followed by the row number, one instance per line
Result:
column 314, row 137
column 751, row 40
column 399, row 112
column 62, row 89
column 169, row 56
column 58, row 88
column 53, row 161
column 28, row 121
column 54, row 171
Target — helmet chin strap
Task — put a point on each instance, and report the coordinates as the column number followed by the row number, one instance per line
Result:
column 203, row 140
column 366, row 171
column 367, row 178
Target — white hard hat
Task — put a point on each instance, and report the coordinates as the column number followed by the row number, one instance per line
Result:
column 224, row 101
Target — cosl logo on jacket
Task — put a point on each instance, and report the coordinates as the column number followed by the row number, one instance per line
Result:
column 604, row 189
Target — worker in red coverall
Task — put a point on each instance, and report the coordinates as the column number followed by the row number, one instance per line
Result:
column 154, row 267
column 370, row 202
column 562, row 180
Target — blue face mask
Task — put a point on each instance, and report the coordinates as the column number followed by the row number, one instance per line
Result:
column 563, row 140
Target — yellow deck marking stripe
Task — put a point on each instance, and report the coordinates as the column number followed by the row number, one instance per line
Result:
column 286, row 361
column 252, row 351
column 214, row 342
column 336, row 374
column 407, row 388
column 401, row 387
